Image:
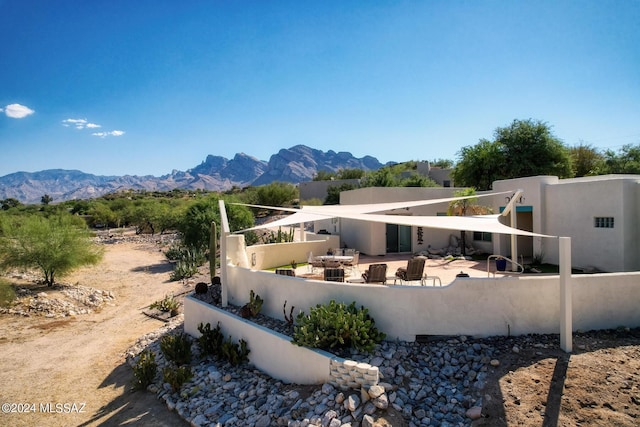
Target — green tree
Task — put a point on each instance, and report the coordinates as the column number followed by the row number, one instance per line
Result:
column 417, row 180
column 441, row 163
column 55, row 245
column 9, row 203
column 277, row 194
column 524, row 148
column 350, row 174
column 626, row 160
column 46, row 199
column 480, row 165
column 323, row 175
column 585, row 160
column 195, row 225
column 333, row 193
column 380, row 178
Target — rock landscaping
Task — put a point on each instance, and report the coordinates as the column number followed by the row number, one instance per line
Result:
column 434, row 383
column 61, row 300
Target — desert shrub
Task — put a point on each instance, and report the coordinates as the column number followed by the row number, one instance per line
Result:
column 235, row 353
column 173, row 253
column 167, row 305
column 337, row 325
column 176, row 377
column 183, row 270
column 144, row 370
column 7, row 294
column 176, row 348
column 187, row 261
column 210, row 340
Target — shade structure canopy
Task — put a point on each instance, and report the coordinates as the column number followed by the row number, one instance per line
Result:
column 367, row 212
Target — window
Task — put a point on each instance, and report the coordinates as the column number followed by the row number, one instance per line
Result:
column 603, row 222
column 481, row 236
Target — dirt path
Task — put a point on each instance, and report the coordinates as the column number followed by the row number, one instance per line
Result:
column 79, row 361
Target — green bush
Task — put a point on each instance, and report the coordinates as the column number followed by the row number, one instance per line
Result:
column 7, row 294
column 210, row 341
column 183, row 270
column 235, row 353
column 336, row 325
column 173, row 253
column 176, row 377
column 187, row 261
column 167, row 305
column 145, row 369
column 176, row 348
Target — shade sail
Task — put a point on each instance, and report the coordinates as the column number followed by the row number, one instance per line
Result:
column 364, row 212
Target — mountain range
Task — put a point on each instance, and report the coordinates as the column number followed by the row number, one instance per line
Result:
column 296, row 164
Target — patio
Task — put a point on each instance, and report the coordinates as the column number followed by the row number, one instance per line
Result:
column 445, row 269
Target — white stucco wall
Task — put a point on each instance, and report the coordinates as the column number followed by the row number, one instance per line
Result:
column 470, row 306
column 277, row 254
column 572, row 205
column 270, row 351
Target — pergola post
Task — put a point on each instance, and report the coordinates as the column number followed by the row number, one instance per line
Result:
column 566, row 308
column 224, row 232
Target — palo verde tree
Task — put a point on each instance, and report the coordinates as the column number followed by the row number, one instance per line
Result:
column 55, row 245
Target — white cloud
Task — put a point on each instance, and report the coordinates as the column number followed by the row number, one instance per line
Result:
column 111, row 133
column 79, row 124
column 17, row 111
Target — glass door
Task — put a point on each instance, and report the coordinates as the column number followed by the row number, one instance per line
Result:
column 398, row 238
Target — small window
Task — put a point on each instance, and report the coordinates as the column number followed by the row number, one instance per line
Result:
column 481, row 236
column 603, row 222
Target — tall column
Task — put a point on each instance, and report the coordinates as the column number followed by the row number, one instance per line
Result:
column 566, row 307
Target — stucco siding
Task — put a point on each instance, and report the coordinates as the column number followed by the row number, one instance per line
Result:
column 571, row 210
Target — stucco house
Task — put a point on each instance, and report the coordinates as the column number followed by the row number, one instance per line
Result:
column 600, row 214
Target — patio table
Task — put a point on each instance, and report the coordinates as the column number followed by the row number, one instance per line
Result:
column 341, row 258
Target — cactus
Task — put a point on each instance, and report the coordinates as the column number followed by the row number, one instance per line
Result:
column 201, row 288
column 210, row 341
column 176, row 348
column 235, row 353
column 253, row 307
column 213, row 247
column 289, row 318
column 337, row 326
column 145, row 370
column 176, row 377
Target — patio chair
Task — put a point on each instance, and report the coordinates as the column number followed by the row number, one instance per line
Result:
column 376, row 273
column 412, row 272
column 316, row 264
column 286, row 271
column 353, row 264
column 331, row 263
column 334, row 274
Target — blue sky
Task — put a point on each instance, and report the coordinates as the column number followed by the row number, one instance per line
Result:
column 143, row 87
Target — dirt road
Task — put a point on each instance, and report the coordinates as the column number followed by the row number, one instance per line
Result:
column 71, row 371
